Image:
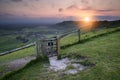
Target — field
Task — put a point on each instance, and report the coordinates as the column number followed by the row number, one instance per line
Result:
column 15, row 36
column 100, row 47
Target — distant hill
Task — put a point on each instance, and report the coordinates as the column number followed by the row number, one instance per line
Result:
column 20, row 26
column 65, row 26
column 100, row 24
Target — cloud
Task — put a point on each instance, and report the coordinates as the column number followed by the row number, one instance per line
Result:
column 87, row 8
column 6, row 14
column 10, row 14
column 60, row 9
column 108, row 17
column 16, row 0
column 71, row 7
column 75, row 7
column 85, row 1
column 6, row 1
column 106, row 10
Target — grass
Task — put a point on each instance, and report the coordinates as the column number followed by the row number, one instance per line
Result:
column 8, row 40
column 86, row 63
column 72, row 39
column 100, row 47
column 15, row 55
column 70, row 67
column 18, row 54
column 39, row 61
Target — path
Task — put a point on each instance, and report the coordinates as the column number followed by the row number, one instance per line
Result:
column 16, row 64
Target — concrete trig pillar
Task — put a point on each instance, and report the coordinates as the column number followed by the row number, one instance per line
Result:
column 58, row 45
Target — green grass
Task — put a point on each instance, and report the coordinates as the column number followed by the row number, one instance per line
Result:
column 73, row 38
column 70, row 67
column 8, row 42
column 100, row 47
column 37, row 62
column 16, row 55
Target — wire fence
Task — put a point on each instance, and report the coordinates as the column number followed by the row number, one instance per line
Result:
column 17, row 49
column 34, row 43
column 60, row 36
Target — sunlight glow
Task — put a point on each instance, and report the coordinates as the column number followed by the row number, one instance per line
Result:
column 87, row 19
column 87, row 22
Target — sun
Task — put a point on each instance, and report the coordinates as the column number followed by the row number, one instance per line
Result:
column 87, row 19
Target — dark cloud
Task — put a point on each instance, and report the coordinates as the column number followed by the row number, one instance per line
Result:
column 87, row 8
column 106, row 10
column 36, row 0
column 60, row 9
column 72, row 7
column 107, row 17
column 6, row 14
column 8, row 1
column 32, row 7
column 75, row 7
column 85, row 1
column 16, row 0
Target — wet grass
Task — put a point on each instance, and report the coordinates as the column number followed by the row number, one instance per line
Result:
column 99, row 47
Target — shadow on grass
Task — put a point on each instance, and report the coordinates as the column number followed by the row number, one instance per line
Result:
column 90, row 38
column 40, row 60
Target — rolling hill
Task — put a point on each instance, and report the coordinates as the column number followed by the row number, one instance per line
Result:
column 99, row 47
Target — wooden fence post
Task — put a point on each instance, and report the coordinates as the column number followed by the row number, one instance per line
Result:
column 79, row 35
column 36, row 50
column 38, row 53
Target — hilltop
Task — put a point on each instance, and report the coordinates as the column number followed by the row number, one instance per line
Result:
column 100, row 24
column 99, row 47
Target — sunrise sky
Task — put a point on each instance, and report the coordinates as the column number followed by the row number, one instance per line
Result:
column 58, row 10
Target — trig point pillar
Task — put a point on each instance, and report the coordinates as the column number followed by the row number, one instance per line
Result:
column 58, row 45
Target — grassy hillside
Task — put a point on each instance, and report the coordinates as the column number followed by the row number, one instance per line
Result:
column 16, row 35
column 100, row 47
column 100, row 24
column 8, row 43
column 15, row 55
column 15, row 38
column 12, row 41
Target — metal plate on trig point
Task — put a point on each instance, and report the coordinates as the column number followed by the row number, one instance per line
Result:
column 49, row 47
column 50, row 43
